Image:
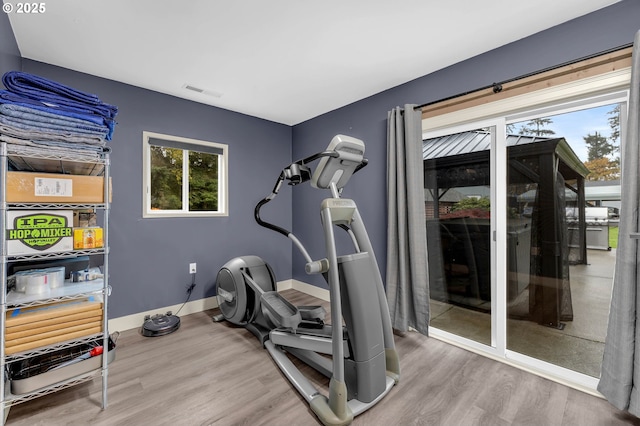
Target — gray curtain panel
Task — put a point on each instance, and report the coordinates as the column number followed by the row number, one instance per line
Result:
column 619, row 377
column 407, row 274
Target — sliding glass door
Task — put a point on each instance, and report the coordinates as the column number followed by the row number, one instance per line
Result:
column 521, row 215
column 563, row 198
column 458, row 216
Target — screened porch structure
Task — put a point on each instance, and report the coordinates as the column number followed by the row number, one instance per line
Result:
column 458, row 217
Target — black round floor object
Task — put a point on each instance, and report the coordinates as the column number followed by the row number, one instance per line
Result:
column 160, row 325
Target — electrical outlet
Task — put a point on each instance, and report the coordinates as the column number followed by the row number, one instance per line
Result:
column 192, row 268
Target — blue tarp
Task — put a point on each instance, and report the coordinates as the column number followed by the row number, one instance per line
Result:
column 45, row 119
column 57, row 128
column 7, row 97
column 50, row 96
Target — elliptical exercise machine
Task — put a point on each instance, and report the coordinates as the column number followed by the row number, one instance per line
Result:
column 364, row 365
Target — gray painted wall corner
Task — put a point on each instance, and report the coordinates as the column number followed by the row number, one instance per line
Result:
column 10, row 59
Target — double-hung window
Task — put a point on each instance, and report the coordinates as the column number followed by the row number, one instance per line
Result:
column 183, row 177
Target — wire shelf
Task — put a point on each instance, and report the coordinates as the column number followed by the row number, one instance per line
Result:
column 69, row 291
column 67, row 206
column 11, row 399
column 51, row 348
column 90, row 156
column 50, row 159
column 55, row 255
column 36, row 365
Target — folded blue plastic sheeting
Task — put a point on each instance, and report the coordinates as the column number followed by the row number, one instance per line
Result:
column 15, row 135
column 10, row 98
column 24, row 123
column 30, row 130
column 40, row 88
column 18, row 111
column 61, row 145
column 60, row 96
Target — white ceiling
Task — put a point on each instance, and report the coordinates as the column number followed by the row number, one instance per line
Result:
column 282, row 60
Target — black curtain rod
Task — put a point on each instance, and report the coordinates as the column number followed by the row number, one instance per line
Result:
column 497, row 87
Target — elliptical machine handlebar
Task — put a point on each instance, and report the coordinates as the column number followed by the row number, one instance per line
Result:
column 343, row 157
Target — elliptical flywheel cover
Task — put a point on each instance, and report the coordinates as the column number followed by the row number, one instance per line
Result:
column 160, row 325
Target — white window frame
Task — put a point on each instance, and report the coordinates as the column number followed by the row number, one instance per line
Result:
column 223, row 198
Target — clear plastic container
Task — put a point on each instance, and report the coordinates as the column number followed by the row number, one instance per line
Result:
column 39, row 281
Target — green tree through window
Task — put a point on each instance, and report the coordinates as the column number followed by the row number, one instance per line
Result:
column 183, row 176
column 537, row 127
column 203, row 181
column 166, row 178
column 598, row 146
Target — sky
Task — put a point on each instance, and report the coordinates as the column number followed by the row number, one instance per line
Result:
column 574, row 126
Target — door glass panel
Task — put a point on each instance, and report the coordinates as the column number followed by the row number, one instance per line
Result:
column 563, row 197
column 458, row 219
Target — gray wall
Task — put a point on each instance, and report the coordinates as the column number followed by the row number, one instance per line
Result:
column 149, row 258
column 9, row 54
column 366, row 119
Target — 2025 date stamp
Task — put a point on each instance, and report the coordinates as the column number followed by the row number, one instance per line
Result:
column 24, row 8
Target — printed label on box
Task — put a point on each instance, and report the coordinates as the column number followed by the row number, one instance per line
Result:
column 87, row 238
column 47, row 187
column 47, row 230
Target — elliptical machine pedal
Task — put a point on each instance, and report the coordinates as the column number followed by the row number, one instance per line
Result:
column 312, row 316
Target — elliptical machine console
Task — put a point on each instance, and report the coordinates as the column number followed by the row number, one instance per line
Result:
column 364, row 364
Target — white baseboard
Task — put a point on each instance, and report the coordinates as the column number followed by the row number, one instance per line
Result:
column 311, row 290
column 132, row 321
column 284, row 285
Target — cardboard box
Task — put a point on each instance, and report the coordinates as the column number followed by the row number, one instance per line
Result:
column 87, row 238
column 29, row 187
column 84, row 218
column 39, row 231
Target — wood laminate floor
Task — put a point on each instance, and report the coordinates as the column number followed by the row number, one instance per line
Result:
column 216, row 374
